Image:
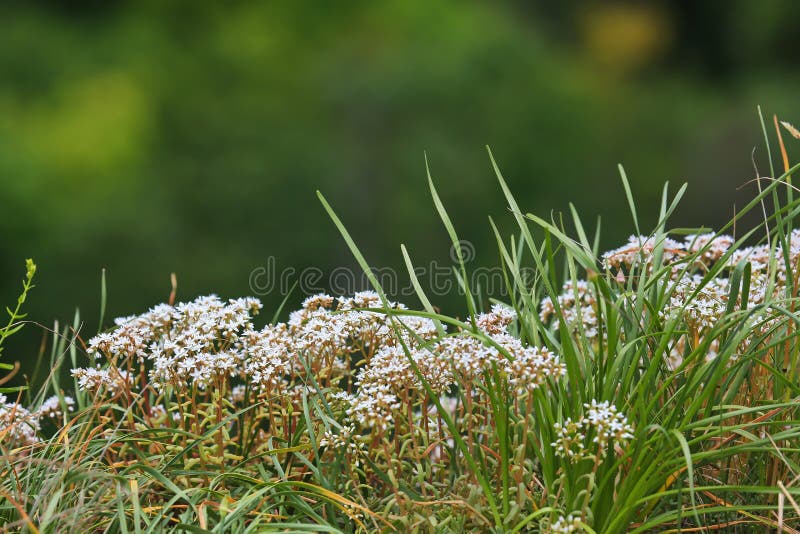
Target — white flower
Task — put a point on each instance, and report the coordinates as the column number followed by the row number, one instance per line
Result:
column 18, row 426
column 109, row 380
column 496, row 321
column 602, row 420
column 51, row 407
column 610, row 426
column 566, row 525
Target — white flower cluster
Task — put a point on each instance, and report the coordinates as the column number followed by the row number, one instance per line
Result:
column 332, row 333
column 497, row 321
column 20, row 427
column 52, row 407
column 641, row 250
column 462, row 357
column 578, row 309
column 566, row 525
column 602, row 420
column 712, row 248
column 343, row 440
column 700, row 303
column 578, row 304
column 108, row 380
column 759, row 257
column 198, row 343
column 609, row 425
column 570, row 442
column 701, row 306
column 192, row 342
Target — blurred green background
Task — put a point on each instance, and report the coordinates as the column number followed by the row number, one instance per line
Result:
column 155, row 137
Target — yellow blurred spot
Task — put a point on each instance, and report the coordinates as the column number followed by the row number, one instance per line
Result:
column 92, row 126
column 624, row 38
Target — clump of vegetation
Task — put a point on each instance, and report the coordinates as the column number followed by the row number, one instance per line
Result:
column 653, row 387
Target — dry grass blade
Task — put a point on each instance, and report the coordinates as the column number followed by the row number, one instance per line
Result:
column 788, row 496
column 784, row 155
column 791, row 129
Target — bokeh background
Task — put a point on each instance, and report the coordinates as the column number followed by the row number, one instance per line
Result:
column 153, row 137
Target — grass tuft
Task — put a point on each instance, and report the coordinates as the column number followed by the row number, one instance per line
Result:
column 653, row 387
